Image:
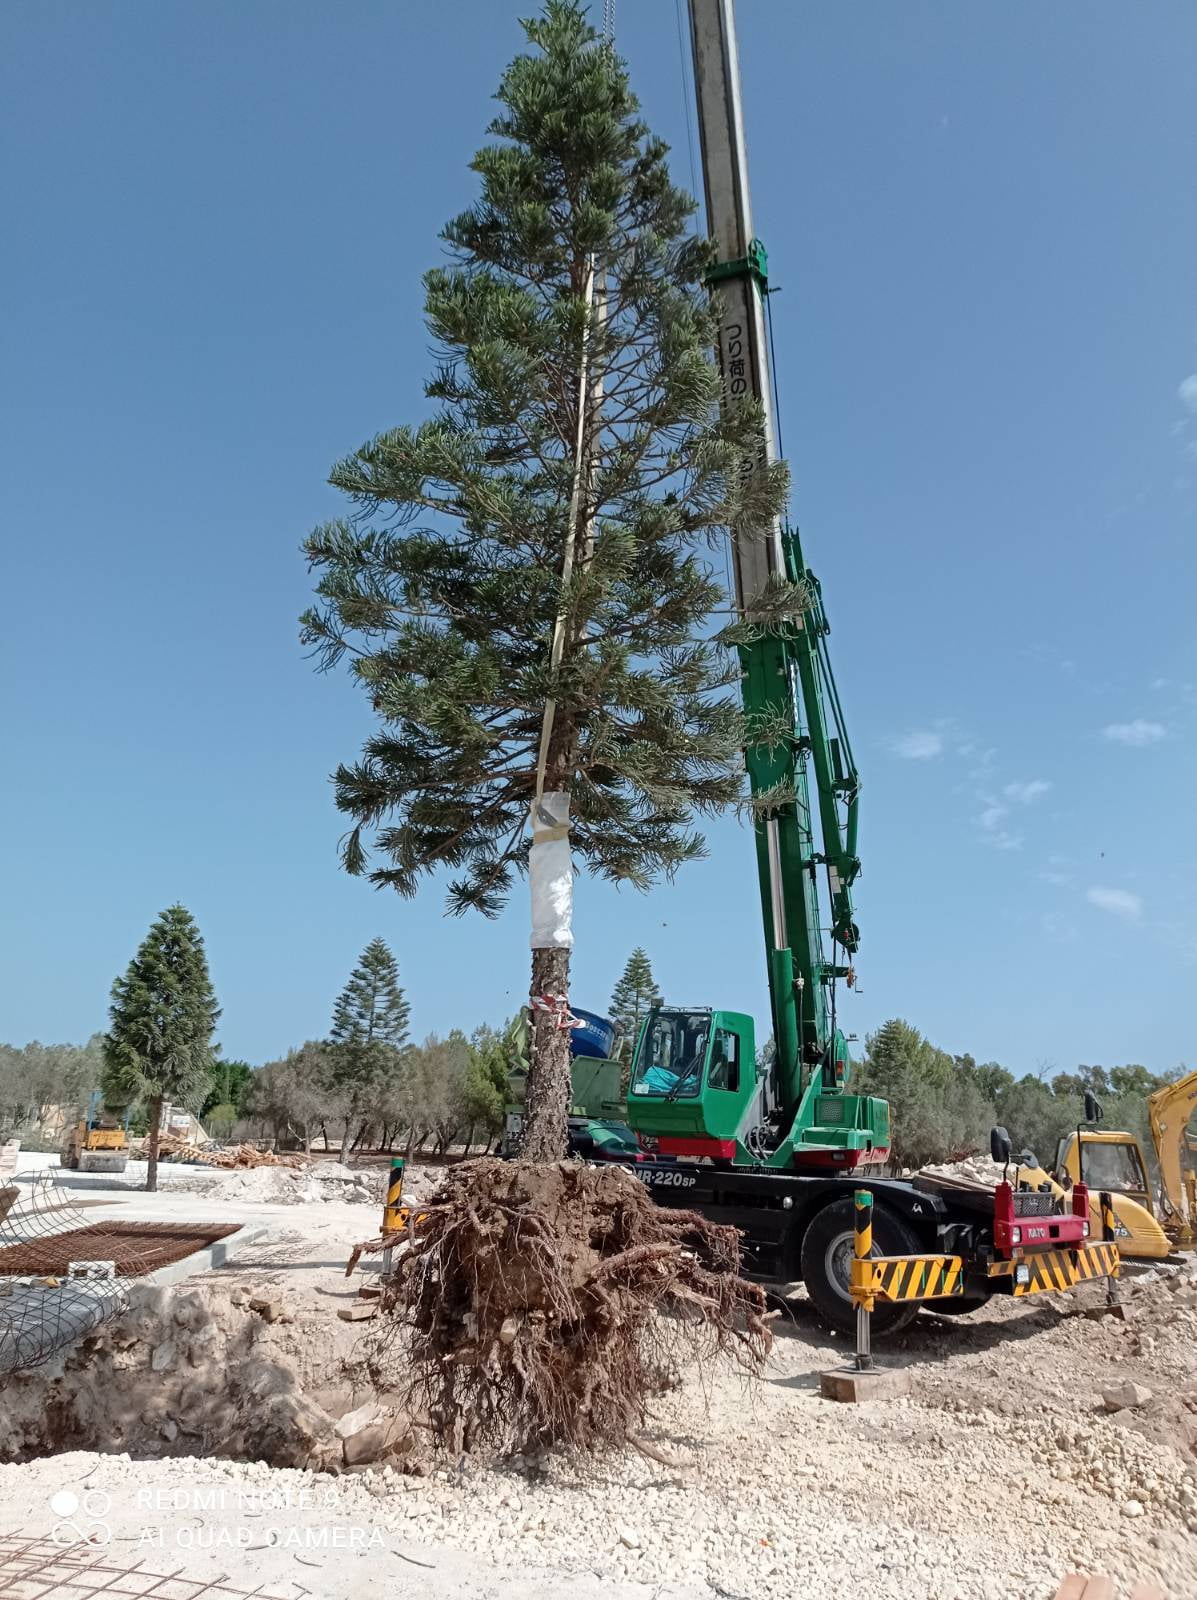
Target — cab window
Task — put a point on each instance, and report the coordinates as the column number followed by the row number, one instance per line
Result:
column 725, row 1061
column 1112, row 1166
column 671, row 1055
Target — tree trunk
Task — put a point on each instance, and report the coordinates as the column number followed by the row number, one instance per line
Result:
column 151, row 1166
column 468, row 1142
column 546, row 1101
column 324, row 1136
column 345, row 1149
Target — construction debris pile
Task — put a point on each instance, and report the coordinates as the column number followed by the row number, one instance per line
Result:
column 526, row 1310
column 241, row 1155
column 974, row 1172
column 323, row 1182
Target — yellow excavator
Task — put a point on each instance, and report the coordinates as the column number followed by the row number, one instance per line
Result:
column 1114, row 1162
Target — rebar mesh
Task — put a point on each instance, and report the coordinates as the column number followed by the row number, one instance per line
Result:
column 40, row 1312
column 37, row 1569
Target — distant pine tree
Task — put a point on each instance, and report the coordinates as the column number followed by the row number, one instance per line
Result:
column 633, row 997
column 567, row 489
column 163, row 1014
column 368, row 1034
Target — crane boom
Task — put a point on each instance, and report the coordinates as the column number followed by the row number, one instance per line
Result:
column 741, row 273
column 793, row 723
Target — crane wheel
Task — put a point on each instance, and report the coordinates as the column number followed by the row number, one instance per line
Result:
column 827, row 1262
column 959, row 1307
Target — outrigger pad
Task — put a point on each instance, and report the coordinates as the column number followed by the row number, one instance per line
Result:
column 853, row 1386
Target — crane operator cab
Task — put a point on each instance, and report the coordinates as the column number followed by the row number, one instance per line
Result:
column 693, row 1076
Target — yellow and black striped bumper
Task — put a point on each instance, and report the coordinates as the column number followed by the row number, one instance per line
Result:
column 907, row 1278
column 1057, row 1271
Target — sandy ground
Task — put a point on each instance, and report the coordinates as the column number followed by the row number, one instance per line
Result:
column 1000, row 1472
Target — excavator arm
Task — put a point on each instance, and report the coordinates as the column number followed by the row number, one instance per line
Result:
column 1169, row 1111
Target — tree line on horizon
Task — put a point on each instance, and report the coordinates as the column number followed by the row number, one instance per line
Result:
column 366, row 1085
column 944, row 1105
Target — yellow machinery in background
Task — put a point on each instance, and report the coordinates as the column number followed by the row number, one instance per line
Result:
column 98, row 1142
column 1114, row 1161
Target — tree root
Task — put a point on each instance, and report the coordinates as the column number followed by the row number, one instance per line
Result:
column 544, row 1306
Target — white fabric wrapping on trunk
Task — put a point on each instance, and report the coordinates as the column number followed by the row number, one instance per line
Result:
column 551, row 875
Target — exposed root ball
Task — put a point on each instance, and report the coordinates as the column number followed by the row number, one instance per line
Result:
column 546, row 1305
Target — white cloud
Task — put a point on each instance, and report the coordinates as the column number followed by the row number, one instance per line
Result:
column 1025, row 793
column 1188, row 392
column 990, row 822
column 1137, row 733
column 1002, row 840
column 1058, row 879
column 1121, row 902
column 919, row 746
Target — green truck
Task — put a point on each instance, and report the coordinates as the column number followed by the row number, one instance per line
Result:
column 598, row 1129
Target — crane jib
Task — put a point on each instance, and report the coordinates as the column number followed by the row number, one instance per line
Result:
column 694, row 1082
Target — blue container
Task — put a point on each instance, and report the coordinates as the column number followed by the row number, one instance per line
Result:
column 594, row 1038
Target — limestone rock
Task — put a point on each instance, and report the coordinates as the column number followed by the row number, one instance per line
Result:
column 1121, row 1395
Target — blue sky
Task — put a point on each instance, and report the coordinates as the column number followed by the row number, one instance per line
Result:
column 982, row 220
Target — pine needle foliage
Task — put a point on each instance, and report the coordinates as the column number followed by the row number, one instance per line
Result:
column 443, row 585
column 162, row 1016
column 634, row 996
column 368, row 1035
column 369, row 1026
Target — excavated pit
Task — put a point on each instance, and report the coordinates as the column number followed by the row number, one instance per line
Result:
column 185, row 1370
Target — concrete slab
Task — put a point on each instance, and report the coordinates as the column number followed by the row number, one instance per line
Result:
column 214, row 1255
column 853, row 1387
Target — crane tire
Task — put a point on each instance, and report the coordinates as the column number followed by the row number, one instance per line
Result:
column 827, row 1261
column 959, row 1307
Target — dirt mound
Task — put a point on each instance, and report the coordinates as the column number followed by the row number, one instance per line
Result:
column 545, row 1306
column 319, row 1184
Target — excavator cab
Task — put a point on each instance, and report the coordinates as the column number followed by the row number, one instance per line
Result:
column 1110, row 1161
column 1113, row 1163
column 693, row 1078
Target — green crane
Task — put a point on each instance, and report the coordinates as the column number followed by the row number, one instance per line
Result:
column 695, row 1087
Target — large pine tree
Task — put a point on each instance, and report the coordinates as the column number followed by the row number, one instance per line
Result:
column 163, row 1013
column 633, row 997
column 545, row 536
column 368, row 1034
